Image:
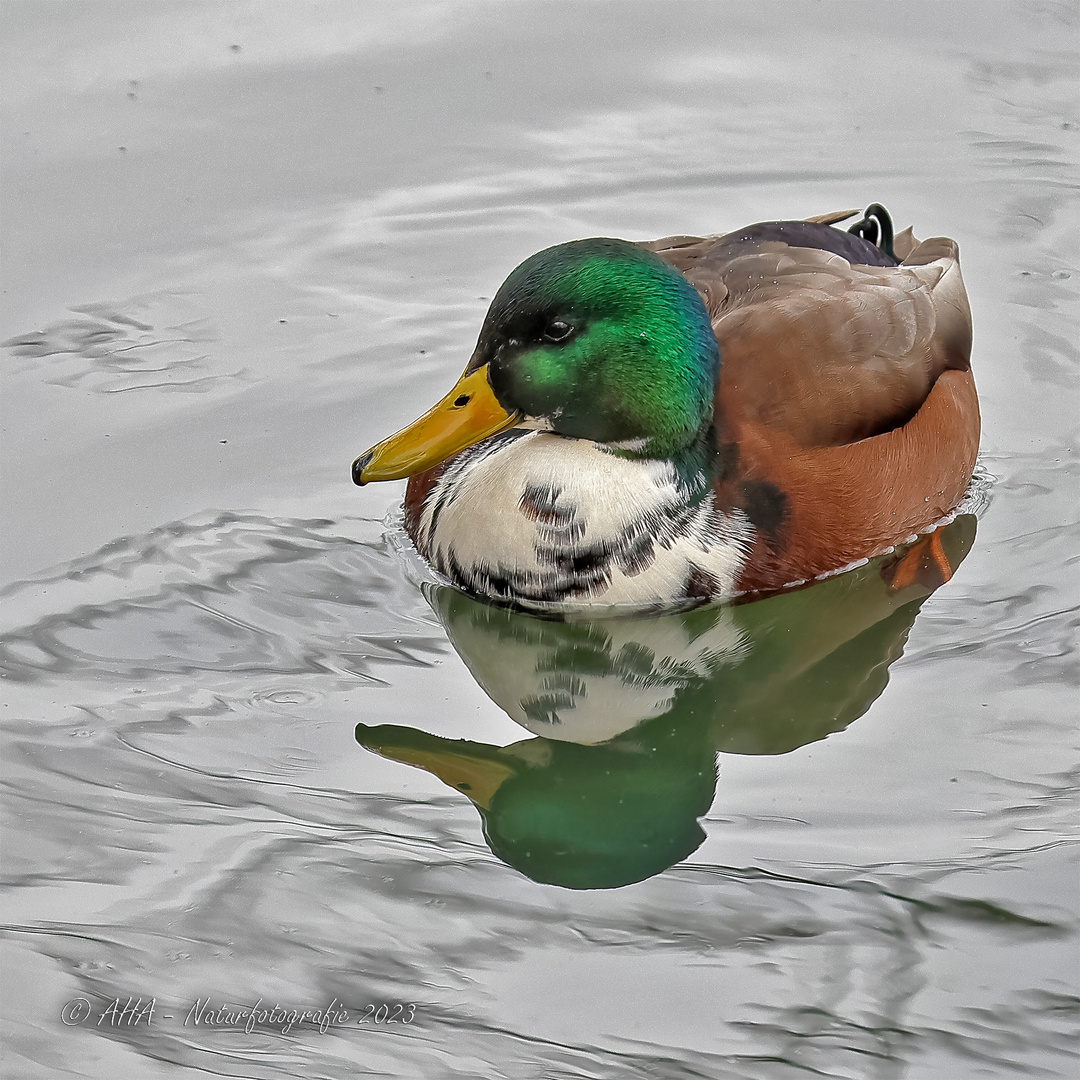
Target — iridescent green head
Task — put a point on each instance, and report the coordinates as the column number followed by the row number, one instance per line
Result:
column 600, row 338
column 605, row 341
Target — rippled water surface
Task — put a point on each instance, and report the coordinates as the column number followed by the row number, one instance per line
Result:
column 248, row 754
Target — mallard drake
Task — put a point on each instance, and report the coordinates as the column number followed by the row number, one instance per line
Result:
column 696, row 418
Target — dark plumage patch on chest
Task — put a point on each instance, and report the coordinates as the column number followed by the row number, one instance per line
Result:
column 555, row 524
column 631, row 551
column 701, row 585
column 589, row 574
column 538, row 502
column 765, row 505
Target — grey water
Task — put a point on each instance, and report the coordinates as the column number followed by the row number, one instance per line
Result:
column 250, row 756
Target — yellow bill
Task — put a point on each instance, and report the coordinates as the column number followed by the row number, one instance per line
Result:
column 479, row 778
column 474, row 769
column 469, row 413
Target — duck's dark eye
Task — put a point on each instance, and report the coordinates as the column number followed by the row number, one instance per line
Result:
column 557, row 330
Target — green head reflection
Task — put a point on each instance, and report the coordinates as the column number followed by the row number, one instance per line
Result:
column 585, row 817
column 629, row 714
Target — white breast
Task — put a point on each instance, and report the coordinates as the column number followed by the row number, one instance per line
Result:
column 561, row 524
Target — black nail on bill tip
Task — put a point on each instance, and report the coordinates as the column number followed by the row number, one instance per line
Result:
column 358, row 467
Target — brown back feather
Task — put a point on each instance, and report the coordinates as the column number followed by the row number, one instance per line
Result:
column 822, row 350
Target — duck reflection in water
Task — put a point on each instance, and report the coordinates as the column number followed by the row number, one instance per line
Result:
column 629, row 714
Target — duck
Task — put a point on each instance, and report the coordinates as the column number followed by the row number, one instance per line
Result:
column 695, row 419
